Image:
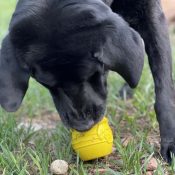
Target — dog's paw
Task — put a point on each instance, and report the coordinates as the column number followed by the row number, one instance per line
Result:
column 168, row 149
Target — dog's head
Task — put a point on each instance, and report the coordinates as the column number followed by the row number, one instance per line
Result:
column 69, row 47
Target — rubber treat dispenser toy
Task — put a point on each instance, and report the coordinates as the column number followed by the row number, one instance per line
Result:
column 94, row 143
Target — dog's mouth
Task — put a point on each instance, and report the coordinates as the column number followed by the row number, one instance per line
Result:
column 81, row 121
column 84, row 125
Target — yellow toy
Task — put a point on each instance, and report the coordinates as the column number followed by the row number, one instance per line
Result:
column 95, row 143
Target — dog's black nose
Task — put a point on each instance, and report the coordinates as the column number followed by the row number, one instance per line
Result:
column 82, row 125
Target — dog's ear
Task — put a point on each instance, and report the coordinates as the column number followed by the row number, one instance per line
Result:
column 123, row 51
column 14, row 78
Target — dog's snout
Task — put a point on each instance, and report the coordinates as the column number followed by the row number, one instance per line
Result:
column 84, row 120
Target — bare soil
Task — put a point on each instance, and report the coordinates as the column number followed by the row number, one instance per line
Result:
column 169, row 9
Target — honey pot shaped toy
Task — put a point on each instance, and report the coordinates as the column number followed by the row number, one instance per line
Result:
column 94, row 143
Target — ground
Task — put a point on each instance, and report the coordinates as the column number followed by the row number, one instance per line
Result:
column 169, row 9
column 33, row 137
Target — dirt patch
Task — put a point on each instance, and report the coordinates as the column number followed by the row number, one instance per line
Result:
column 169, row 9
column 47, row 120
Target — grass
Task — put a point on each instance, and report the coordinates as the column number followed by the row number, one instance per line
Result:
column 24, row 151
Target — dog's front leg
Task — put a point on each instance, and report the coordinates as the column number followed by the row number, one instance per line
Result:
column 148, row 19
column 155, row 34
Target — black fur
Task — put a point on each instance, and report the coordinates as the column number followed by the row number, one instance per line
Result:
column 69, row 45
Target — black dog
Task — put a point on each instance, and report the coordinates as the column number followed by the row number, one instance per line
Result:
column 69, row 45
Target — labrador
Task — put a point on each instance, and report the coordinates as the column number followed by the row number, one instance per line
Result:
column 69, row 46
